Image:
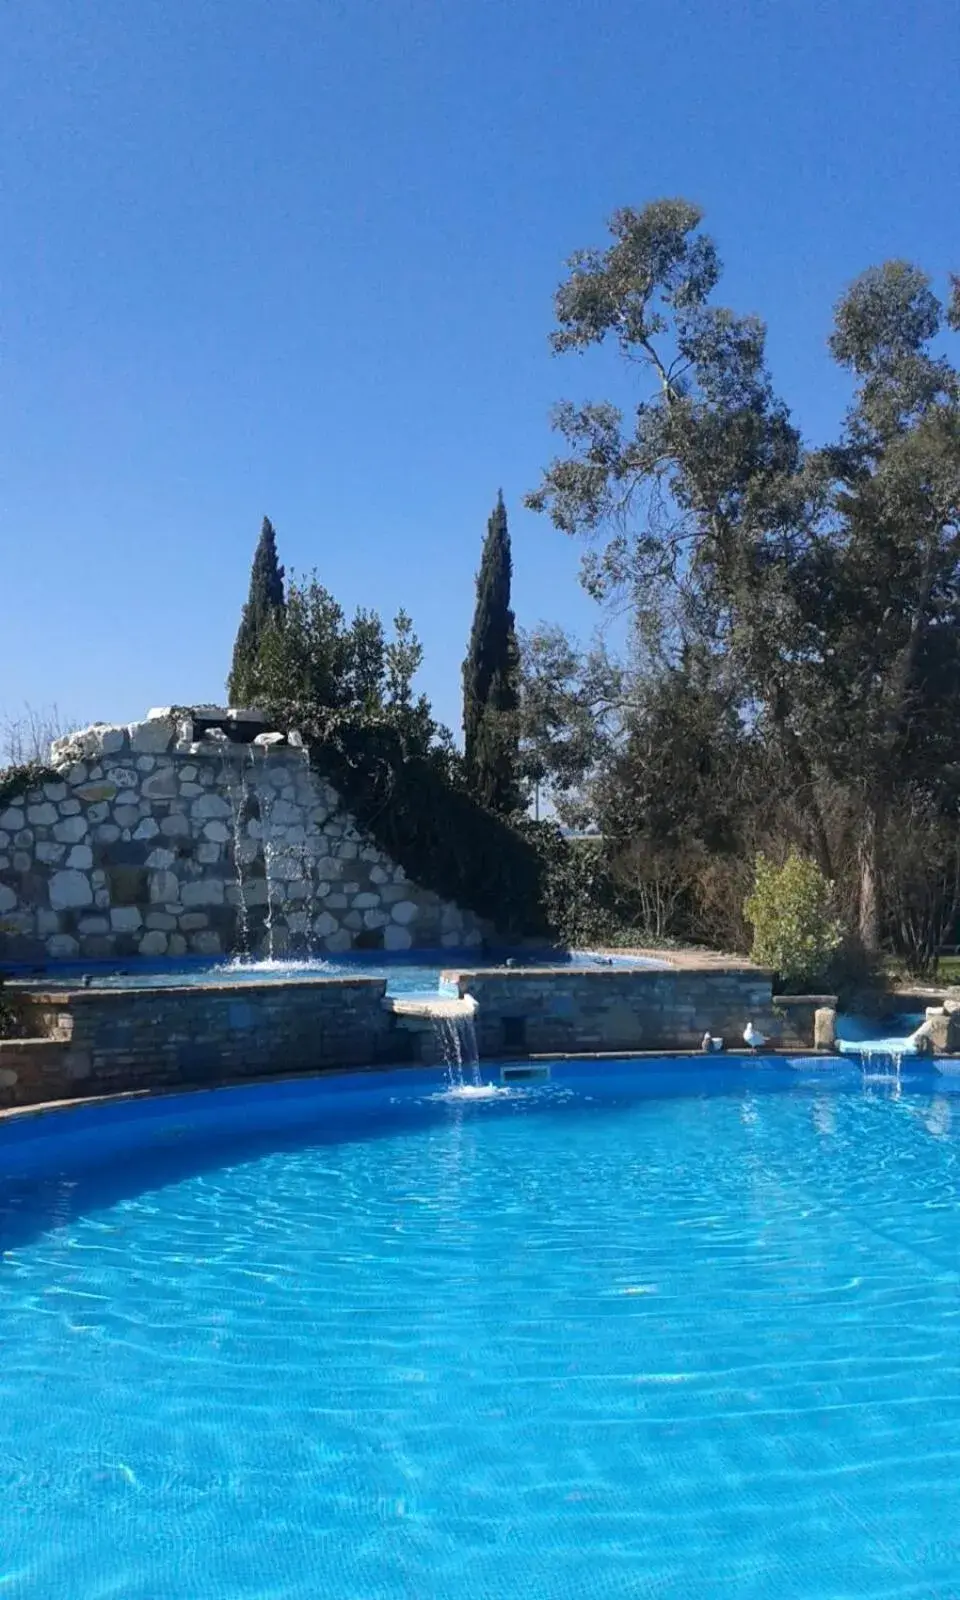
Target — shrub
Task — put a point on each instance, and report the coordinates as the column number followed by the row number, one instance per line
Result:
column 795, row 930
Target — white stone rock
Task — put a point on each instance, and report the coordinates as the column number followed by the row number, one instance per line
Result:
column 176, row 945
column 128, row 816
column 353, row 919
column 70, row 808
column 175, row 827
column 404, row 912
column 396, row 938
column 348, row 851
column 146, row 763
column 161, row 785
column 81, row 856
column 101, row 899
column 128, row 797
column 4, row 839
column 98, row 878
column 159, row 859
column 153, row 736
column 24, row 839
column 44, row 851
column 162, row 921
column 338, row 942
column 298, row 921
column 188, row 790
column 55, row 791
column 206, row 944
column 267, row 741
column 379, row 875
column 62, row 946
column 70, row 830
column 21, row 861
column 113, row 740
column 298, row 889
column 208, row 852
column 107, row 833
column 42, row 815
column 205, row 892
column 4, row 863
column 70, row 888
column 76, row 773
column 164, row 888
column 153, row 943
column 8, row 899
column 147, row 828
column 125, row 919
column 325, row 925
column 208, row 806
column 124, row 777
column 13, row 818
column 93, row 925
column 375, row 919
column 283, row 814
column 47, row 921
column 217, row 831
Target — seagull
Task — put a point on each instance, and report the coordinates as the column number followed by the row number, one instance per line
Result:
column 751, row 1037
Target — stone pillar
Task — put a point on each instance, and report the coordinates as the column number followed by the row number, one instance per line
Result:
column 825, row 1028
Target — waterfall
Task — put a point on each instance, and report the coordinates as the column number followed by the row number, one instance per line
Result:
column 456, row 1039
column 236, row 787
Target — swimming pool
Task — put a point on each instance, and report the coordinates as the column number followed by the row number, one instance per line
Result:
column 664, row 1329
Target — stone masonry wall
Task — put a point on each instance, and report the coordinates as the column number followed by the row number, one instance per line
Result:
column 154, row 842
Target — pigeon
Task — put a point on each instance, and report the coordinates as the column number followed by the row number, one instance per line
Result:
column 751, row 1037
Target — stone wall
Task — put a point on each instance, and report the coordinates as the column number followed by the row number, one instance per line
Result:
column 611, row 1009
column 153, row 841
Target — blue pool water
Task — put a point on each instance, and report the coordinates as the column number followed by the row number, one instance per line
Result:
column 417, row 973
column 684, row 1333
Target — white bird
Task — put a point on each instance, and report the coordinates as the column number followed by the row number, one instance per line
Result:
column 751, row 1037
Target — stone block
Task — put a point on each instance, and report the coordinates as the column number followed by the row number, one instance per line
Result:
column 69, row 888
column 153, row 736
column 354, row 920
column 375, row 919
column 209, row 806
column 217, row 831
column 13, row 819
column 55, row 791
column 824, row 1028
column 190, row 921
column 46, row 851
column 76, row 772
column 8, row 899
column 70, row 808
column 124, row 777
column 205, row 892
column 161, row 785
column 164, row 888
column 146, row 763
column 160, row 859
column 81, row 856
column 325, row 925
column 70, row 830
column 397, row 938
column 113, row 740
column 366, row 901
column 47, row 921
column 24, row 839
column 206, row 943
column 106, row 833
column 126, row 816
column 147, row 828
column 153, row 943
column 160, row 921
column 208, row 853
column 42, row 815
column 404, row 912
column 93, row 925
column 175, row 827
column 339, row 942
column 176, row 945
column 96, row 793
column 61, row 946
column 125, row 919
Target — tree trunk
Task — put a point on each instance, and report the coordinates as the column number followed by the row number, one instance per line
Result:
column 869, row 871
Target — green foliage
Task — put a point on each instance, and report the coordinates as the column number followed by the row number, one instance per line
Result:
column 264, row 608
column 794, row 928
column 490, row 677
column 15, row 781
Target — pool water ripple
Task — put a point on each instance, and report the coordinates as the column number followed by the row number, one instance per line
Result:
column 571, row 1342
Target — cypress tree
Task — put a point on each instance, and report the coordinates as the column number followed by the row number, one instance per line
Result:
column 491, row 677
column 265, row 604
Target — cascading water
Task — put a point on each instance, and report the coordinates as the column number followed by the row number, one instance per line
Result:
column 235, row 784
column 456, row 1039
column 881, row 1054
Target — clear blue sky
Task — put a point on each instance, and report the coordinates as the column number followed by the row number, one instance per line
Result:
column 297, row 257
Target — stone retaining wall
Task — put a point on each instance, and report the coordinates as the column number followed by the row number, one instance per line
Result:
column 151, row 842
column 541, row 1012
column 103, row 1041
